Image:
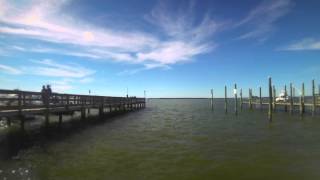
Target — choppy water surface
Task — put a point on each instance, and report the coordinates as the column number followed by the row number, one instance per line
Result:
column 179, row 139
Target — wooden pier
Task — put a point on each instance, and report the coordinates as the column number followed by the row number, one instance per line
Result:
column 291, row 103
column 16, row 104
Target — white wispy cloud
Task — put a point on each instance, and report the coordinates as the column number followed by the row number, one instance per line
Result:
column 51, row 68
column 185, row 37
column 66, row 52
column 86, row 80
column 182, row 37
column 148, row 66
column 261, row 20
column 9, row 70
column 304, row 44
column 43, row 20
column 173, row 52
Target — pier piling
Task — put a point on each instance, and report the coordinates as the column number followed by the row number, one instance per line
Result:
column 211, row 99
column 291, row 99
column 241, row 102
column 235, row 99
column 225, row 99
column 285, row 100
column 260, row 98
column 313, row 98
column 270, row 100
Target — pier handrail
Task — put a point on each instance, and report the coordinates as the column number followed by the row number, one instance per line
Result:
column 17, row 99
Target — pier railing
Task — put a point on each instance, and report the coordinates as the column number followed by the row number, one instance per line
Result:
column 18, row 101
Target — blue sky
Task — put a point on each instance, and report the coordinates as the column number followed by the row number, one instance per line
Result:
column 168, row 48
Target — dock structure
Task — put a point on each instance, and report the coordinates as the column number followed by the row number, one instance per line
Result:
column 16, row 104
column 289, row 103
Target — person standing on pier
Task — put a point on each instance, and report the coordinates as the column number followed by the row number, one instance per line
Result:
column 49, row 92
column 43, row 94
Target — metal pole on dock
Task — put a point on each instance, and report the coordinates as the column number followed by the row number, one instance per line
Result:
column 225, row 99
column 236, row 99
column 270, row 100
column 241, row 102
column 313, row 98
column 291, row 99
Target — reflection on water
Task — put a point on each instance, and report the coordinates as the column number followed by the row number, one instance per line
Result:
column 176, row 139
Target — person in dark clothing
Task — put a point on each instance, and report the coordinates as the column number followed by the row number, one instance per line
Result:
column 49, row 93
column 44, row 95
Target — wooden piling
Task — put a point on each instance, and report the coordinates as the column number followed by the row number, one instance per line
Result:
column 101, row 107
column 270, row 100
column 22, row 119
column 60, row 119
column 260, row 98
column 250, row 99
column 285, row 101
column 313, row 98
column 47, row 111
column 212, row 99
column 68, row 102
column 235, row 99
column 274, row 104
column 291, row 99
column 83, row 110
column 225, row 99
column 9, row 121
column 302, row 100
column 241, row 102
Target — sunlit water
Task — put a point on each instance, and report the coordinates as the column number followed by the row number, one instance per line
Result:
column 179, row 139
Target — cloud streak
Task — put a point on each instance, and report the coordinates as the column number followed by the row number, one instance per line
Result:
column 9, row 70
column 52, row 69
column 304, row 44
column 262, row 18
